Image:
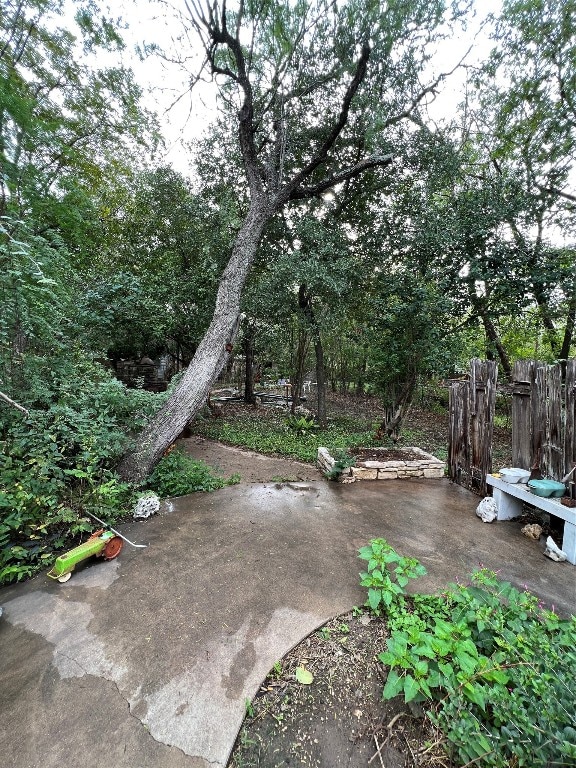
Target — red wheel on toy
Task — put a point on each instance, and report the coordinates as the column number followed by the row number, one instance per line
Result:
column 113, row 548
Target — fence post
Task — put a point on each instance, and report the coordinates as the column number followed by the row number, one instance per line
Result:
column 522, row 384
column 458, row 435
column 569, row 417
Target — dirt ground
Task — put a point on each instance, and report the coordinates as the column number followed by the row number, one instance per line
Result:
column 340, row 718
column 251, row 466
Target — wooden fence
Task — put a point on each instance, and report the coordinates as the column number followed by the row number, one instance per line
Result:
column 543, row 421
column 543, row 415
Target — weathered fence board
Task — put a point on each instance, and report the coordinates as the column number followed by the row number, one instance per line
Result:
column 569, row 416
column 522, row 383
column 538, row 440
column 554, row 448
column 458, row 445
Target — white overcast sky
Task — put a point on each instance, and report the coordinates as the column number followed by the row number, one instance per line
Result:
column 149, row 21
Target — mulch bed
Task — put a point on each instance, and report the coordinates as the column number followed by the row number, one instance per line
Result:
column 339, row 719
column 385, row 454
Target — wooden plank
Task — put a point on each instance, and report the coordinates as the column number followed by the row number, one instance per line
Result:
column 477, row 395
column 522, row 378
column 474, row 366
column 539, row 414
column 569, row 416
column 554, row 423
column 458, row 451
column 491, row 378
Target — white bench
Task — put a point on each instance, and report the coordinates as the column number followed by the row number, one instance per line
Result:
column 509, row 498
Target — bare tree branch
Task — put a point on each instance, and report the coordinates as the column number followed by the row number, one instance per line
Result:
column 322, row 153
column 558, row 192
column 303, row 193
column 13, row 404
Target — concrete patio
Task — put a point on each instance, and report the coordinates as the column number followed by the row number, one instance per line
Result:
column 147, row 661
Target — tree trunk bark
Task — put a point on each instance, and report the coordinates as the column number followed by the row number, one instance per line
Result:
column 211, row 355
column 305, row 303
column 494, row 338
column 547, row 322
column 480, row 308
column 297, row 375
column 360, row 382
column 395, row 414
column 569, row 328
column 320, row 382
column 249, row 361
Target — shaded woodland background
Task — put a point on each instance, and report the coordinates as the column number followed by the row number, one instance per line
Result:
column 460, row 245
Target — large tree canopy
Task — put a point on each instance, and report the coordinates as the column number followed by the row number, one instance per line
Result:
column 63, row 121
column 317, row 90
column 65, row 126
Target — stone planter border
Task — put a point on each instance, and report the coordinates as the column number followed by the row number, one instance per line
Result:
column 427, row 466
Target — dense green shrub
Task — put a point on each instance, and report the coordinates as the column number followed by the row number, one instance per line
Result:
column 58, row 462
column 177, row 474
column 495, row 665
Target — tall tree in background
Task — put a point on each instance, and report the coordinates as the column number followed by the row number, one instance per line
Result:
column 526, row 127
column 316, row 89
column 65, row 125
column 150, row 288
column 63, row 120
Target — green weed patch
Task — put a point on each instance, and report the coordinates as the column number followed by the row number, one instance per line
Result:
column 495, row 667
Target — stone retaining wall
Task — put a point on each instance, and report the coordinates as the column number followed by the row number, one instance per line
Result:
column 427, row 466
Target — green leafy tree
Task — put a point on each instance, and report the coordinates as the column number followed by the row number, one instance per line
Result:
column 526, row 124
column 63, row 120
column 152, row 286
column 316, row 90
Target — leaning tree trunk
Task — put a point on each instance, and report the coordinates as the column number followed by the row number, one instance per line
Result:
column 494, row 339
column 492, row 335
column 249, row 396
column 211, row 355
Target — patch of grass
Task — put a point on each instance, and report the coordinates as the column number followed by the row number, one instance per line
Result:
column 272, row 436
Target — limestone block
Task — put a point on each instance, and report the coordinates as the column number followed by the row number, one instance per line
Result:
column 487, row 510
column 387, row 474
column 360, row 473
column 324, row 460
column 146, row 506
column 434, row 472
column 532, row 531
column 554, row 552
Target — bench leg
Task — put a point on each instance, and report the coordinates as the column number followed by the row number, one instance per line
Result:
column 509, row 507
column 569, row 542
